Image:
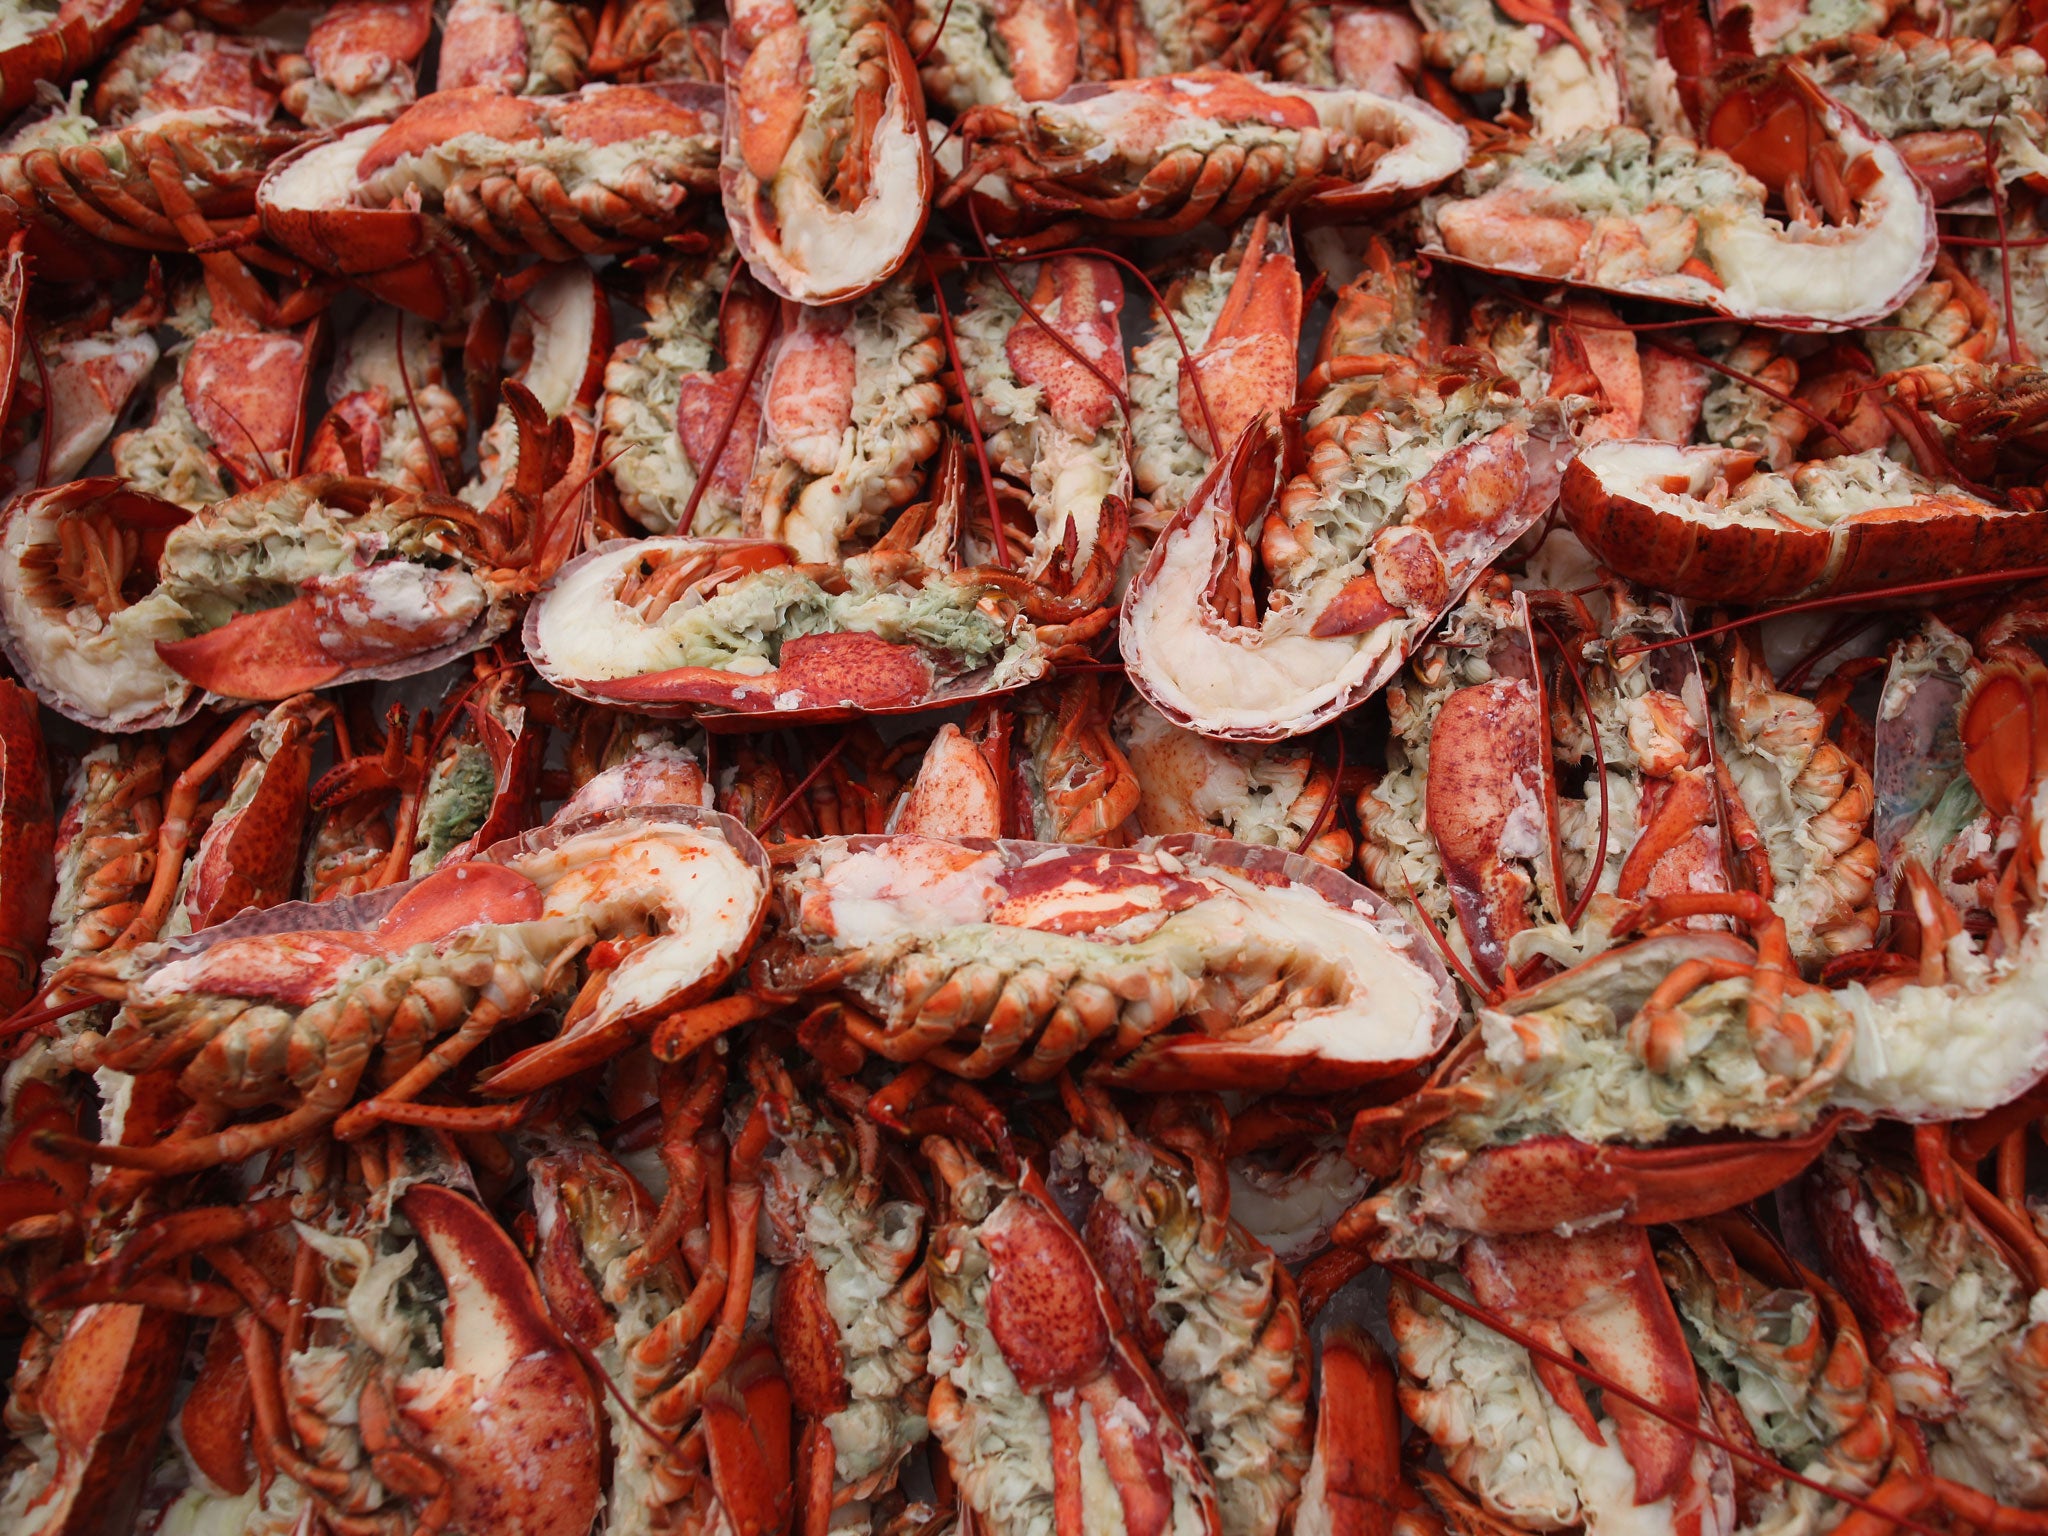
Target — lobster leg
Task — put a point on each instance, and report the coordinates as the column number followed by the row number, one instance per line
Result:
column 172, row 1237
column 174, row 833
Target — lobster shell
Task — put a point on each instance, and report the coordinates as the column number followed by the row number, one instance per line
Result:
column 76, row 36
column 1644, row 509
column 403, row 256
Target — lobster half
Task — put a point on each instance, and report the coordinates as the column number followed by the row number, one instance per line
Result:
column 1707, row 522
column 977, row 955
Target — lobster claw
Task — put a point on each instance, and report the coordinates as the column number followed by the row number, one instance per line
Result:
column 746, row 1421
column 105, row 1399
column 1485, row 766
column 509, row 1412
column 807, row 1340
column 246, row 389
column 219, row 1413
column 957, row 791
column 1353, row 1486
column 1599, row 1293
column 249, row 857
column 379, row 616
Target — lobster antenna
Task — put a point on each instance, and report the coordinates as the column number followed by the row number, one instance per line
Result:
column 255, row 447
column 583, row 482
column 1585, row 897
column 2019, row 573
column 1180, row 341
column 1509, row 1331
column 1690, row 354
column 937, row 33
column 1978, row 242
column 437, row 482
column 1997, row 189
column 1838, row 634
column 803, row 784
column 312, row 342
column 1490, row 995
column 732, row 274
column 1066, row 346
column 1517, row 296
column 672, row 1448
column 1145, row 282
column 988, row 475
column 1694, row 355
column 35, row 350
column 27, row 1020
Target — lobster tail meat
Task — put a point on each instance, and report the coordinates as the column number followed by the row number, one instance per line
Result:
column 813, row 226
column 1706, row 522
column 359, row 62
column 1486, row 770
column 702, row 882
column 1355, row 1474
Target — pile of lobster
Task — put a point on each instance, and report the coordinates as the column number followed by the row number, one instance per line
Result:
column 1061, row 767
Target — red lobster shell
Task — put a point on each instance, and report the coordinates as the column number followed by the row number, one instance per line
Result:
column 1704, row 522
